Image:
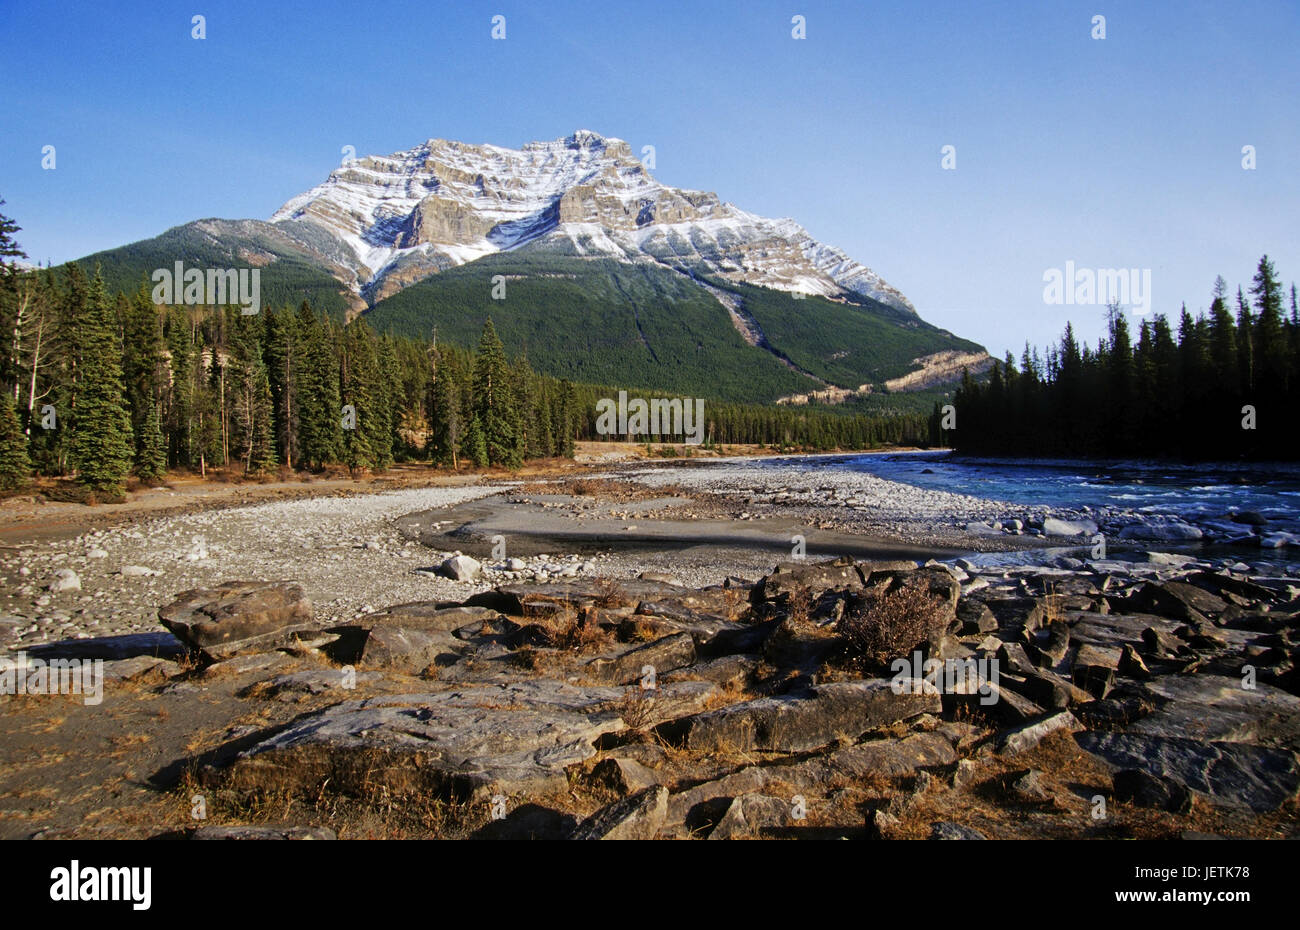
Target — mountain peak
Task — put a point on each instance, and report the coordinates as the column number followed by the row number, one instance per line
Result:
column 585, row 138
column 393, row 220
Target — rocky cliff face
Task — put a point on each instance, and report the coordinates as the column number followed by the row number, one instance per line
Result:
column 398, row 218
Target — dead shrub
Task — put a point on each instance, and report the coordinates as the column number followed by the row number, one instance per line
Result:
column 610, row 594
column 567, row 629
column 636, row 707
column 884, row 626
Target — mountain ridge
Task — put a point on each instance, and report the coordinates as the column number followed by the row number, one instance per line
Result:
column 610, row 273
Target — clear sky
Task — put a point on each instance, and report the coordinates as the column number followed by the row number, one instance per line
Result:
column 1119, row 152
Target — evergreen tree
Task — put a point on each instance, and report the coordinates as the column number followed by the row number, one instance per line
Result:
column 495, row 400
column 446, row 409
column 320, row 433
column 475, row 447
column 101, row 424
column 15, row 466
column 359, row 388
column 151, row 461
column 1271, row 341
column 252, row 407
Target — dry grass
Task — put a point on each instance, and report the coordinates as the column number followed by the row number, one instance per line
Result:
column 567, row 629
column 736, row 602
column 799, row 605
column 1052, row 612
column 889, row 625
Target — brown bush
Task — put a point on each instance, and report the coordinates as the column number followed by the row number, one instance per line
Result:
column 610, row 594
column 888, row 625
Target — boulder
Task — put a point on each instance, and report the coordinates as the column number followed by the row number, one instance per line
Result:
column 1162, row 532
column 947, row 830
column 409, row 637
column 626, row 776
column 239, row 617
column 461, row 568
column 894, row 757
column 1054, row 526
column 814, row 577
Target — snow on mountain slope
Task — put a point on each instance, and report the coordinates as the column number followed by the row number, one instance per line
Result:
column 405, row 216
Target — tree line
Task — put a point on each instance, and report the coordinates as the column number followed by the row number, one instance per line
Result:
column 1222, row 385
column 102, row 387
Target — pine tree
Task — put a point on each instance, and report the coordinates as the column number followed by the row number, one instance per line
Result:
column 101, row 424
column 359, row 389
column 320, row 435
column 495, row 401
column 15, row 466
column 1270, row 338
column 151, row 461
column 475, row 447
column 1245, row 345
column 284, row 367
column 446, row 409
column 568, row 406
column 143, row 363
column 252, row 408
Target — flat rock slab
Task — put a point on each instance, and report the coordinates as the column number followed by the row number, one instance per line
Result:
column 662, row 655
column 471, row 742
column 1234, row 775
column 239, row 616
column 799, row 723
column 894, row 757
column 510, row 599
column 1115, row 630
column 160, row 644
column 1214, row 707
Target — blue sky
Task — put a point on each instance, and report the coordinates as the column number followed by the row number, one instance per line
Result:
column 1122, row 152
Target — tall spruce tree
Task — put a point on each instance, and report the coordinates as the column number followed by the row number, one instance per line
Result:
column 151, row 460
column 320, row 433
column 15, row 465
column 101, row 424
column 495, row 401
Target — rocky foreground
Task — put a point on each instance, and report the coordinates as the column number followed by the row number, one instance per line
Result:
column 1108, row 700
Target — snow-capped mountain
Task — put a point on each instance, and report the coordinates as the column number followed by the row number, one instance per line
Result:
column 383, row 222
